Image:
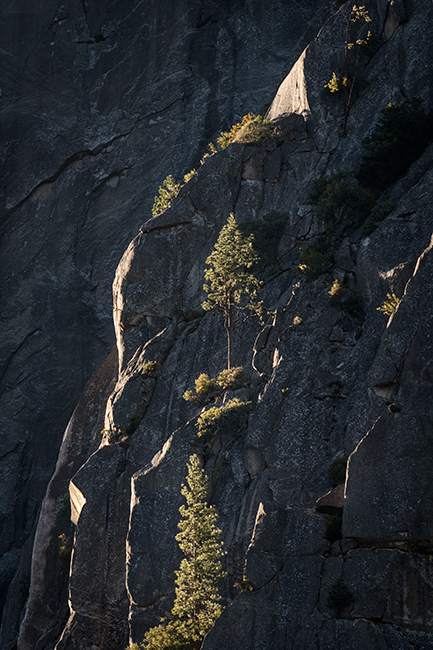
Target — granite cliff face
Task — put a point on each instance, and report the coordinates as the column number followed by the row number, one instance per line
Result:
column 98, row 104
column 323, row 385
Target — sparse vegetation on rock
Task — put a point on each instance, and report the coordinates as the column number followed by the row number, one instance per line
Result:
column 389, row 306
column 66, row 507
column 340, row 199
column 317, row 386
column 133, row 423
column 397, row 140
column 168, row 191
column 208, row 388
column 65, row 552
column 315, row 259
column 210, row 422
column 355, row 37
column 252, row 128
column 380, row 211
column 149, row 367
column 346, row 299
column 243, row 584
column 369, row 227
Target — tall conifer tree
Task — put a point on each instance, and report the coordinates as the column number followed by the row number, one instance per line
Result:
column 232, row 291
column 197, row 603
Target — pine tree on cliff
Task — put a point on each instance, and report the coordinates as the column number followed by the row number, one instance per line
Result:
column 232, row 291
column 197, row 603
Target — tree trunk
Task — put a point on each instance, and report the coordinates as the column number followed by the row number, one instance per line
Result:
column 230, row 329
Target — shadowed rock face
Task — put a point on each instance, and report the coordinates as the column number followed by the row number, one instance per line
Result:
column 98, row 105
column 321, row 381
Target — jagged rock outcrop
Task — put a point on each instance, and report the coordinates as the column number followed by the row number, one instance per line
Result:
column 98, row 105
column 323, row 383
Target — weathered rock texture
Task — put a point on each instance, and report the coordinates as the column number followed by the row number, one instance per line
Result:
column 323, row 383
column 98, row 104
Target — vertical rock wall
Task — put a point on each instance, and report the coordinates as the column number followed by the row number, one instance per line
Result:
column 98, row 105
column 323, row 383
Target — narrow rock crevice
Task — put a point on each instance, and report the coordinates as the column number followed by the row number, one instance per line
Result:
column 16, row 350
column 67, row 164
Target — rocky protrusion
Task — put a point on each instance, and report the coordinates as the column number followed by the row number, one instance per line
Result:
column 332, row 502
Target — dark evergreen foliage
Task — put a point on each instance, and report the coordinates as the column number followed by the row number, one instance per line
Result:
column 337, row 471
column 333, row 527
column 267, row 233
column 315, row 259
column 398, row 139
column 340, row 198
column 340, row 596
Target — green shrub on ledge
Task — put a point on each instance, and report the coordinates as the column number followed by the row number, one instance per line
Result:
column 211, row 388
column 168, row 191
column 381, row 210
column 389, row 306
column 253, row 128
column 217, row 418
column 149, row 367
column 66, row 547
column 339, row 199
column 134, row 421
column 243, row 584
column 267, row 232
column 345, row 298
column 315, row 260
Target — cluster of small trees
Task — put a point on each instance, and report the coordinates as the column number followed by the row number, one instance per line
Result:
column 232, row 293
column 252, row 128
